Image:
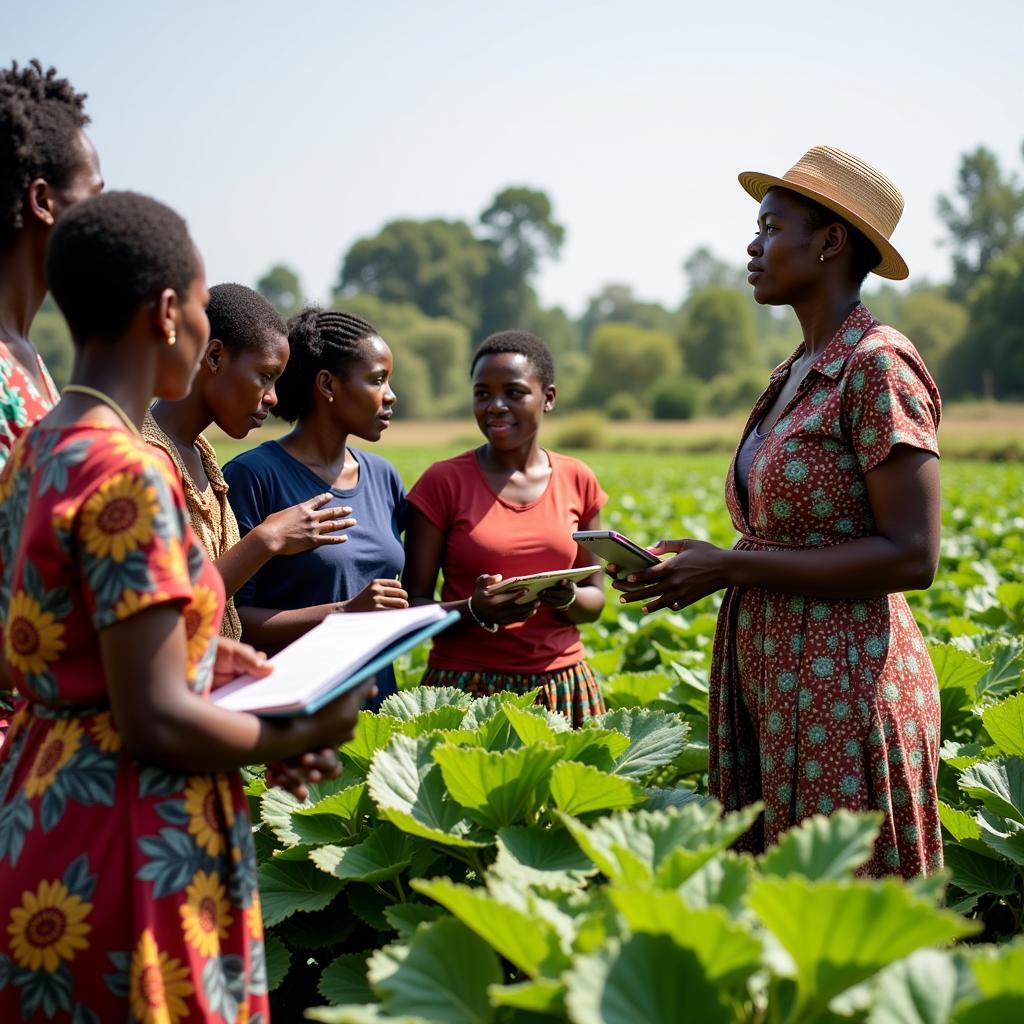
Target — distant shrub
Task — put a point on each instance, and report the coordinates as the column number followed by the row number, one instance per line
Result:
column 735, row 391
column 582, row 430
column 676, row 400
column 622, row 406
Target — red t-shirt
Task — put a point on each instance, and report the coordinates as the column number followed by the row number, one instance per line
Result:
column 485, row 533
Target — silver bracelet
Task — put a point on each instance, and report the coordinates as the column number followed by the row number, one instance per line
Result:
column 570, row 602
column 491, row 628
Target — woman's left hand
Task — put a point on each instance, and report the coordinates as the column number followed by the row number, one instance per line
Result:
column 560, row 596
column 696, row 570
column 293, row 773
column 235, row 659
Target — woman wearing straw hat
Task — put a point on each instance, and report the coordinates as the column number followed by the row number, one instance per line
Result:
column 822, row 693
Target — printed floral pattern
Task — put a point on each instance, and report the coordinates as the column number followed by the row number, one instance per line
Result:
column 820, row 704
column 129, row 892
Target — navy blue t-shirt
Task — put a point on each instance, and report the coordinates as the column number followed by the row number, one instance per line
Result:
column 266, row 479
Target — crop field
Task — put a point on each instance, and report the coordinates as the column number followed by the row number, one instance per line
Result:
column 478, row 863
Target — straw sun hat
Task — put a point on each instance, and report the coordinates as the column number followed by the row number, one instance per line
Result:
column 849, row 187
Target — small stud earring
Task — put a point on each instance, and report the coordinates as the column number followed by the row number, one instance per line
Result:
column 172, row 337
column 821, row 257
column 330, row 398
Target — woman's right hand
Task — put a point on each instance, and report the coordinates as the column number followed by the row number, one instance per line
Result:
column 499, row 609
column 306, row 525
column 377, row 595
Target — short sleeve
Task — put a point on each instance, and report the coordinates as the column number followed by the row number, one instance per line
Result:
column 889, row 399
column 131, row 543
column 594, row 497
column 432, row 495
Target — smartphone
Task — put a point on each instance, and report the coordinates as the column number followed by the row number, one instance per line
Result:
column 610, row 546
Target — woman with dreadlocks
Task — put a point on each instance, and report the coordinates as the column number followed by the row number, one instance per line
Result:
column 336, row 386
column 47, row 164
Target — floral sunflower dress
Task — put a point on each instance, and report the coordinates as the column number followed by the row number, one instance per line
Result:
column 818, row 704
column 22, row 403
column 127, row 892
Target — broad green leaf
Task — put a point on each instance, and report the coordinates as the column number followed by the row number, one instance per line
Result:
column 659, row 799
column 581, row 789
column 368, row 902
column 288, row 886
column 276, row 807
column 645, row 980
column 594, row 746
column 963, row 827
column 978, row 873
column 958, row 673
column 407, row 786
column 635, row 847
column 1004, row 677
column 656, row 737
column 1004, row 722
column 721, row 882
column 443, row 975
column 406, row 705
column 332, row 819
column 405, row 918
column 605, row 663
column 315, row 929
column 443, row 718
column 999, row 970
column 824, row 847
column 525, row 940
column 278, row 960
column 543, row 852
column 541, row 995
column 344, row 980
column 999, row 785
column 373, row 733
column 993, row 1010
column 961, row 755
column 386, row 852
column 1004, row 835
column 532, row 727
column 634, row 689
column 484, row 708
column 840, row 933
column 497, row 788
column 921, row 989
column 727, row 950
column 371, row 1014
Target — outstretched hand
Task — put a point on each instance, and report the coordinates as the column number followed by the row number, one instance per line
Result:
column 695, row 570
column 499, row 609
column 307, row 525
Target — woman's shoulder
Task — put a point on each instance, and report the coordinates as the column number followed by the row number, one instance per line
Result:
column 256, row 461
column 569, row 466
column 456, row 467
column 883, row 351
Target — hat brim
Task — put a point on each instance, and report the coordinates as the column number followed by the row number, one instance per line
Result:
column 892, row 267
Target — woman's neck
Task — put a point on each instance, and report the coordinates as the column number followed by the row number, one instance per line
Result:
column 183, row 421
column 823, row 315
column 22, row 288
column 318, row 444
column 121, row 375
column 519, row 459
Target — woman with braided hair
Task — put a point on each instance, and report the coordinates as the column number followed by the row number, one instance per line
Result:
column 336, row 385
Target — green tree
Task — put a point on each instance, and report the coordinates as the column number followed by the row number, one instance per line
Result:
column 616, row 303
column 935, row 324
column 559, row 331
column 703, row 269
column 281, row 286
column 985, row 219
column 438, row 265
column 630, row 359
column 51, row 336
column 718, row 333
column 989, row 359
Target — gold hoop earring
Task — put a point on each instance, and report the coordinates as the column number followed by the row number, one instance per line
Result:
column 172, row 337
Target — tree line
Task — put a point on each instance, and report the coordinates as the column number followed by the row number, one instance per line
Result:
column 436, row 287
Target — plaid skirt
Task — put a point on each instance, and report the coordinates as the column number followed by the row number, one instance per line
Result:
column 572, row 691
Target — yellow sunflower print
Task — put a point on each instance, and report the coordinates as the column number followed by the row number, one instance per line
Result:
column 32, row 639
column 201, row 622
column 205, row 916
column 159, row 984
column 132, row 602
column 118, row 517
column 208, row 803
column 60, row 745
column 254, row 915
column 171, row 562
column 48, row 927
column 105, row 734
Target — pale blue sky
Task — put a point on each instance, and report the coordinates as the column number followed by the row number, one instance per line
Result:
column 285, row 131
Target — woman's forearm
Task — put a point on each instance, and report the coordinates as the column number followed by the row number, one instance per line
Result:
column 865, row 568
column 588, row 605
column 275, row 627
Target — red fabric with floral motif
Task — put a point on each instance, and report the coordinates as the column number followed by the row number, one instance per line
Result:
column 819, row 704
column 129, row 892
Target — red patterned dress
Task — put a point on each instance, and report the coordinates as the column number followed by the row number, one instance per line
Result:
column 822, row 703
column 22, row 403
column 126, row 892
